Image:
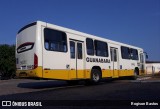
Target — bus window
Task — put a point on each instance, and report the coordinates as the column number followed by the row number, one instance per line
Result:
column 25, row 47
column 115, row 55
column 72, row 50
column 141, row 58
column 134, row 54
column 111, row 52
column 90, row 47
column 101, row 48
column 55, row 40
column 79, row 50
column 47, row 45
column 125, row 51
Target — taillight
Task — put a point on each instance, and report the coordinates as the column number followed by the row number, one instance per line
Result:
column 35, row 61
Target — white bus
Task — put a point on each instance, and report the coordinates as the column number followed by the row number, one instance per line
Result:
column 49, row 51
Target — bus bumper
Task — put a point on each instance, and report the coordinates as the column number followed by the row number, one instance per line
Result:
column 37, row 73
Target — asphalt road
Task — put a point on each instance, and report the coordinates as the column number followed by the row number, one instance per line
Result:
column 114, row 93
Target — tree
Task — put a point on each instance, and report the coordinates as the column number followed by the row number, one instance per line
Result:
column 7, row 60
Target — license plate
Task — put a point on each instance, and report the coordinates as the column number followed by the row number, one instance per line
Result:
column 23, row 74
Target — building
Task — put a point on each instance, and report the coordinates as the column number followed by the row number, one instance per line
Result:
column 152, row 67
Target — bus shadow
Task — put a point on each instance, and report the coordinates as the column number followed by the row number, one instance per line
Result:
column 42, row 85
column 57, row 84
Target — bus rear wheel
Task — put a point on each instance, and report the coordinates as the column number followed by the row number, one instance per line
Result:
column 95, row 77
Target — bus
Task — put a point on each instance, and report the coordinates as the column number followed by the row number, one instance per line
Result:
column 48, row 51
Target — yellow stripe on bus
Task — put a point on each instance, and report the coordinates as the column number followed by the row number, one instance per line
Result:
column 72, row 74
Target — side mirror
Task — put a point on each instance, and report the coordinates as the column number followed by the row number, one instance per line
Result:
column 146, row 56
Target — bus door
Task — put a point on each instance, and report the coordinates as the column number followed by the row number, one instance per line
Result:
column 76, row 59
column 142, row 63
column 114, row 62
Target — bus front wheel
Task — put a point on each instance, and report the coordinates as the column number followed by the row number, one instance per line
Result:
column 135, row 76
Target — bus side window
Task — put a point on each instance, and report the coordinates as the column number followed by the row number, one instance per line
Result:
column 115, row 55
column 101, row 48
column 72, row 50
column 47, row 45
column 134, row 54
column 79, row 50
column 55, row 40
column 125, row 52
column 90, row 46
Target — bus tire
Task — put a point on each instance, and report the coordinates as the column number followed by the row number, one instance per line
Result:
column 135, row 76
column 95, row 76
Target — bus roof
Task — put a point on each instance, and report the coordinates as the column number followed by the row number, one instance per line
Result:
column 67, row 30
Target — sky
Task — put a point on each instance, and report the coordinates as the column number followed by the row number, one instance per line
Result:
column 135, row 22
